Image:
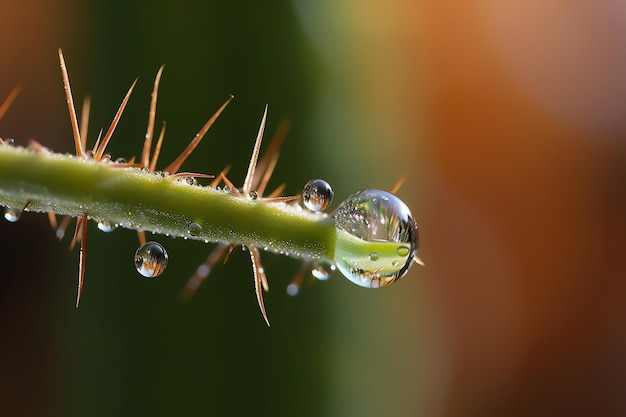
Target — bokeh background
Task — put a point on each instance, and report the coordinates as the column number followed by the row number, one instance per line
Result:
column 507, row 118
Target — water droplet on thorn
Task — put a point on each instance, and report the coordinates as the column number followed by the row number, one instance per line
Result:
column 317, row 195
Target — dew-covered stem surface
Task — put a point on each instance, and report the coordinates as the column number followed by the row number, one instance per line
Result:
column 135, row 199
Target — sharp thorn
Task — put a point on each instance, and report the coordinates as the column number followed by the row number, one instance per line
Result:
column 70, row 106
column 175, row 165
column 107, row 137
column 247, row 184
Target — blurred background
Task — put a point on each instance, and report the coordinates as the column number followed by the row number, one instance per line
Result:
column 506, row 117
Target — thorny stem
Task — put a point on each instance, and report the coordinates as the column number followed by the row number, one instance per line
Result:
column 133, row 196
column 135, row 199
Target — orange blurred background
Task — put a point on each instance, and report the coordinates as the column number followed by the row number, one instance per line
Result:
column 510, row 117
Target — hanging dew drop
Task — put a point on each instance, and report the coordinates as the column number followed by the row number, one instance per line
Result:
column 370, row 225
column 320, row 273
column 151, row 259
column 317, row 195
column 194, row 229
column 12, row 214
column 106, row 227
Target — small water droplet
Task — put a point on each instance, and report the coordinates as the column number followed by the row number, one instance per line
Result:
column 194, row 229
column 403, row 251
column 191, row 181
column 12, row 214
column 370, row 225
column 151, row 259
column 106, row 227
column 317, row 195
column 253, row 195
column 320, row 273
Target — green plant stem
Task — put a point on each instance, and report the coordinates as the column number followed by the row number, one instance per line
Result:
column 134, row 199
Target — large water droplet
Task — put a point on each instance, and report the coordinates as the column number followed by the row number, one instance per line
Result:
column 317, row 195
column 12, row 214
column 151, row 259
column 106, row 227
column 374, row 222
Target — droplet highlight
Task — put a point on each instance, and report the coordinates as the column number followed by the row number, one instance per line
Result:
column 370, row 226
column 151, row 259
column 194, row 229
column 317, row 195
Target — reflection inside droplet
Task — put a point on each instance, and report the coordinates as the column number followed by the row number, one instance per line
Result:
column 151, row 259
column 370, row 224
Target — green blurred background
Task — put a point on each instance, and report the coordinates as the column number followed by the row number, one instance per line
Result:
column 506, row 117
